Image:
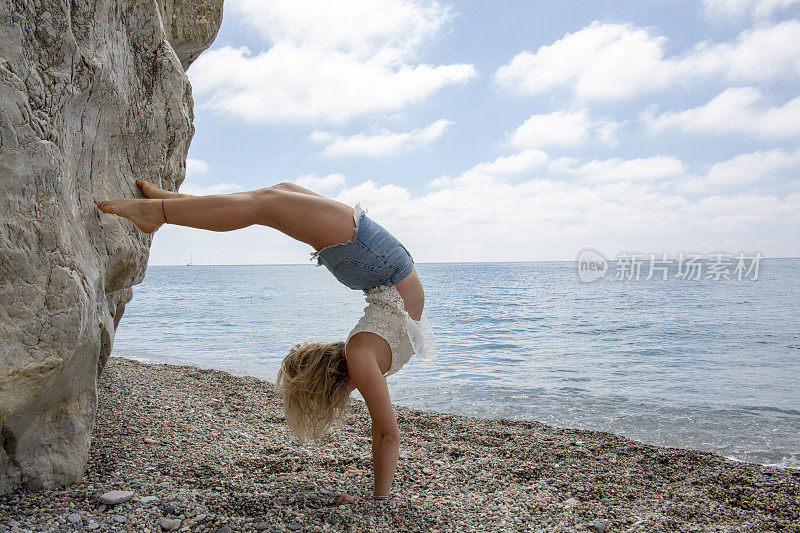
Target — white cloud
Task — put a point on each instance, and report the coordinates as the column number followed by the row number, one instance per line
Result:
column 760, row 168
column 359, row 27
column 732, row 9
column 379, row 143
column 216, row 188
column 538, row 218
column 736, row 110
column 562, row 128
column 327, row 61
column 505, row 165
column 643, row 169
column 327, row 183
column 195, row 167
column 553, row 129
column 600, row 61
column 749, row 168
column 606, row 61
column 608, row 132
column 512, row 164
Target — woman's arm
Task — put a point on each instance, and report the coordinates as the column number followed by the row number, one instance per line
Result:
column 362, row 365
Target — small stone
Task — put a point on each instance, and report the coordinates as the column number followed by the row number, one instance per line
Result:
column 120, row 518
column 294, row 527
column 599, row 527
column 114, row 497
column 74, row 518
column 199, row 518
column 148, row 440
column 427, row 470
column 93, row 525
column 102, row 507
column 147, row 500
column 223, row 529
column 261, row 526
column 168, row 509
column 169, row 524
column 572, row 502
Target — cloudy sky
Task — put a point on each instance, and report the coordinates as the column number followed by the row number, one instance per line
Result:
column 506, row 131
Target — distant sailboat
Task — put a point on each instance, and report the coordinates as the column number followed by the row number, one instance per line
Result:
column 190, row 263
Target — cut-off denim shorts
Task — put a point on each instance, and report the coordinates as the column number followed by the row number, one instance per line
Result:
column 374, row 257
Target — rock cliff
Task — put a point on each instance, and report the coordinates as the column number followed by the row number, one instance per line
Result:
column 93, row 95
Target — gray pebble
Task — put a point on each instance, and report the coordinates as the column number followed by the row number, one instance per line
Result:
column 169, row 524
column 74, row 518
column 294, row 527
column 113, row 497
column 599, row 527
column 147, row 500
column 120, row 518
column 199, row 518
column 223, row 529
column 572, row 502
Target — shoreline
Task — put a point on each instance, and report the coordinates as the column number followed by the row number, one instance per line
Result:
column 207, row 450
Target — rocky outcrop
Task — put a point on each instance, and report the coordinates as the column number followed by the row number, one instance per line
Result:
column 93, row 95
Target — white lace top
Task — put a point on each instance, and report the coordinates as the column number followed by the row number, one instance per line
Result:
column 386, row 316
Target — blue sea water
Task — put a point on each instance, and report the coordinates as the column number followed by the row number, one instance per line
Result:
column 703, row 364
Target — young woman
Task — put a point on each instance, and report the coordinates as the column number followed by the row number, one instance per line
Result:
column 316, row 379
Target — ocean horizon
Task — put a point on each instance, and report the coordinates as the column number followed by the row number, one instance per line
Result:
column 701, row 364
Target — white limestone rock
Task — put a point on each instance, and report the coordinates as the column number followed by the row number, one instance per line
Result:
column 92, row 97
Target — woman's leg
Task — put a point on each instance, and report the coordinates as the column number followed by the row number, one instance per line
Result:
column 152, row 191
column 309, row 218
column 215, row 212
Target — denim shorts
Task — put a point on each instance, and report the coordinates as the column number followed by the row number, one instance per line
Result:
column 374, row 257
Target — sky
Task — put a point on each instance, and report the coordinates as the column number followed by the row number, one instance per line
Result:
column 505, row 131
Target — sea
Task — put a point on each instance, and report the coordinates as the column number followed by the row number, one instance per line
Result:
column 708, row 361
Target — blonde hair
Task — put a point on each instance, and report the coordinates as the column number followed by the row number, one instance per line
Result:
column 312, row 382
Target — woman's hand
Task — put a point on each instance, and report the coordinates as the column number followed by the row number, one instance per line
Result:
column 346, row 498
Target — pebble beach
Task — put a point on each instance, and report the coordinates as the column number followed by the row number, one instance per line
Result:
column 181, row 448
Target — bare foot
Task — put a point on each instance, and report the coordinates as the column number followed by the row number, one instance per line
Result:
column 152, row 191
column 146, row 214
